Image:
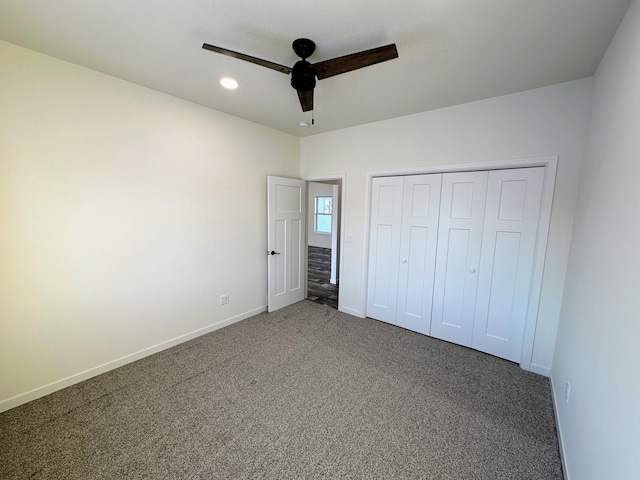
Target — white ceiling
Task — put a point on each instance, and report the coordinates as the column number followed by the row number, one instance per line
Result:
column 450, row 51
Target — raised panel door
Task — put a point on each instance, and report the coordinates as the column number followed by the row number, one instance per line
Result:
column 458, row 255
column 506, row 266
column 286, row 220
column 419, row 237
column 384, row 247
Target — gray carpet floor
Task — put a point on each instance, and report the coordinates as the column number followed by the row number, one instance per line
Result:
column 306, row 392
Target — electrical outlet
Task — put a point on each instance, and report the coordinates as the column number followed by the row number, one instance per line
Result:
column 348, row 238
column 224, row 299
column 567, row 392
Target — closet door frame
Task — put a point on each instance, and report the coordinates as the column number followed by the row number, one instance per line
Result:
column 550, row 163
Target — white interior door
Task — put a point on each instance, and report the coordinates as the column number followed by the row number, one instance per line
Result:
column 506, row 262
column 419, row 237
column 384, row 247
column 286, row 224
column 458, row 257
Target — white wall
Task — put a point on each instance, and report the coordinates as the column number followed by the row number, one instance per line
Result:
column 546, row 121
column 125, row 214
column 317, row 190
column 598, row 346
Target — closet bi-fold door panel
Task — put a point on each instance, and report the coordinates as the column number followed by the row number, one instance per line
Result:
column 458, row 257
column 403, row 238
column 419, row 237
column 384, row 247
column 506, row 261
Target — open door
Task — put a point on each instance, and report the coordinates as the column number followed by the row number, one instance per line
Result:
column 286, row 224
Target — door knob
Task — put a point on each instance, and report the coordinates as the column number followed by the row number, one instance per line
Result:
column 404, row 260
column 273, row 252
column 472, row 270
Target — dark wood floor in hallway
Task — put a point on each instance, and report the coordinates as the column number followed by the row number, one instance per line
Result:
column 320, row 288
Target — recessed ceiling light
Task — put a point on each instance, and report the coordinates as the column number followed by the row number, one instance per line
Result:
column 229, row 83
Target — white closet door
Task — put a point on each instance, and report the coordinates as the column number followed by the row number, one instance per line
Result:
column 384, row 247
column 458, row 256
column 506, row 266
column 419, row 237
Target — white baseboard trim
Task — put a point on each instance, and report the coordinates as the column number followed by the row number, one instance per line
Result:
column 540, row 370
column 565, row 470
column 119, row 362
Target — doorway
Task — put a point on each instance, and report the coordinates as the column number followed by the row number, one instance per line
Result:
column 323, row 245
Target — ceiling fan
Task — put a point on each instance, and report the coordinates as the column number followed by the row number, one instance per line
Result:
column 303, row 73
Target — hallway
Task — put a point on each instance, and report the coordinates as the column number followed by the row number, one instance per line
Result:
column 320, row 289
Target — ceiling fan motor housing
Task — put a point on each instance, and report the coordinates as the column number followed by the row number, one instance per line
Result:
column 303, row 76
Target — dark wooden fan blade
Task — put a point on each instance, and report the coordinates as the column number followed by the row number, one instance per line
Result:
column 247, row 58
column 339, row 65
column 306, row 99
